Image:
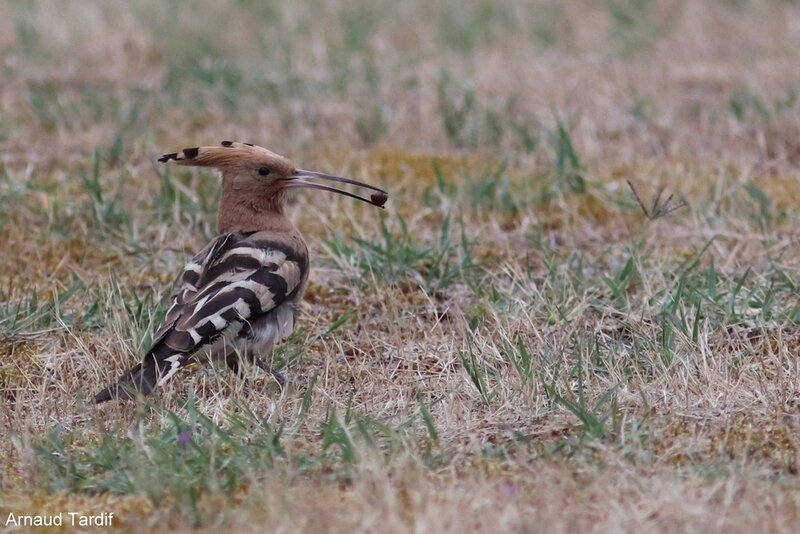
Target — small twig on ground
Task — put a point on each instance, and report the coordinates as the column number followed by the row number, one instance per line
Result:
column 659, row 209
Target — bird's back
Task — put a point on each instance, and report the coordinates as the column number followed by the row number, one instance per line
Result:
column 238, row 294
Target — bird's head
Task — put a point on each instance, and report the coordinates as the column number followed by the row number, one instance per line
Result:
column 253, row 170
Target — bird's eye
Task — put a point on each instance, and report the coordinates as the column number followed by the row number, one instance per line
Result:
column 263, row 171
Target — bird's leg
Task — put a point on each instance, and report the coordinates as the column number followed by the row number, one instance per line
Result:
column 277, row 375
column 233, row 363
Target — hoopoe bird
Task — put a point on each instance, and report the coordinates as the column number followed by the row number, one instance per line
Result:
column 238, row 296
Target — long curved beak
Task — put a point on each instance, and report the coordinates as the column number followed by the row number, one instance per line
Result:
column 377, row 198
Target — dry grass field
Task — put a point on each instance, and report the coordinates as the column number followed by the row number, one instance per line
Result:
column 517, row 344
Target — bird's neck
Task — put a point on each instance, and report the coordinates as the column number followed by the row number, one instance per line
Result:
column 246, row 210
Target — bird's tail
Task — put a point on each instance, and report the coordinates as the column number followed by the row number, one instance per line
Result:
column 142, row 378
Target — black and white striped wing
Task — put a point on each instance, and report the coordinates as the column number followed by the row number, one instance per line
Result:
column 232, row 283
column 188, row 284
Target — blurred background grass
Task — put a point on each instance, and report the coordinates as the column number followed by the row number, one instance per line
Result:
column 422, row 75
column 512, row 338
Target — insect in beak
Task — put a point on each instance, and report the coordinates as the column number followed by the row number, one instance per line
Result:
column 377, row 198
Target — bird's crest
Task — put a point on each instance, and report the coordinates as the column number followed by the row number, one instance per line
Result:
column 226, row 154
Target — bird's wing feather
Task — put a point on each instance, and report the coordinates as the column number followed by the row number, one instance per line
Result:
column 234, row 280
column 240, row 277
column 192, row 273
